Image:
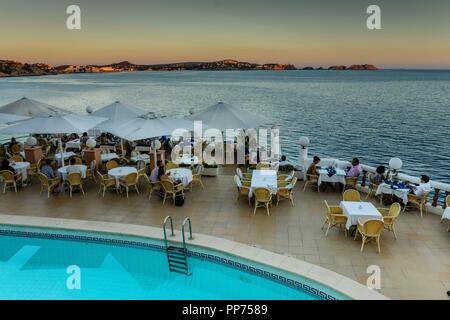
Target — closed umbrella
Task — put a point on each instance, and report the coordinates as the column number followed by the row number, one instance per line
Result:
column 31, row 108
column 6, row 118
column 224, row 116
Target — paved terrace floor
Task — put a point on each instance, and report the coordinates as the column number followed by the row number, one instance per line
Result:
column 415, row 266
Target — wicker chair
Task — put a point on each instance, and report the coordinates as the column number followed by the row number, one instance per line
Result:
column 16, row 158
column 197, row 176
column 75, row 181
column 243, row 191
column 47, row 184
column 129, row 181
column 418, row 202
column 141, row 170
column 351, row 183
column 106, row 182
column 243, row 176
column 111, row 164
column 78, row 161
column 390, row 216
column 15, row 149
column 171, row 190
column 312, row 180
column 286, row 192
column 351, row 195
column 263, row 166
column 334, row 218
column 152, row 187
column 373, row 187
column 90, row 172
column 370, row 229
column 286, row 177
column 263, row 199
column 10, row 180
column 171, row 165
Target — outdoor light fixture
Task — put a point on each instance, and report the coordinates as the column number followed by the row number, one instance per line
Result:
column 304, row 142
column 31, row 141
column 395, row 164
column 91, row 143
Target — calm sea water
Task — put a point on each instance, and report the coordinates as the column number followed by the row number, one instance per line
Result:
column 370, row 115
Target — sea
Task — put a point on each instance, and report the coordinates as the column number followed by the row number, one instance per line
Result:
column 372, row 115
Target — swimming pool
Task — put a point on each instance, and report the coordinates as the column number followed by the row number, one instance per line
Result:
column 34, row 264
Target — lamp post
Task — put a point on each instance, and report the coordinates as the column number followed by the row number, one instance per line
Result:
column 395, row 164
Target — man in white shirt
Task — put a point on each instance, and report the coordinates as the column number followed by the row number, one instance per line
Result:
column 423, row 187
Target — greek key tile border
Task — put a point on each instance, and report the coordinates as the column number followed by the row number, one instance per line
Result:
column 147, row 245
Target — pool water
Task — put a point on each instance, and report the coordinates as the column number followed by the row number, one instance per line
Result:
column 36, row 268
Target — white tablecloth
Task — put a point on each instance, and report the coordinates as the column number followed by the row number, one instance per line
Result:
column 74, row 144
column 21, row 167
column 187, row 160
column 183, row 174
column 121, row 172
column 400, row 193
column 63, row 171
column 65, row 155
column 362, row 211
column 446, row 214
column 264, row 179
column 109, row 156
column 144, row 157
column 338, row 177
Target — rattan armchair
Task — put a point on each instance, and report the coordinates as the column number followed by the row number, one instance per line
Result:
column 171, row 165
column 129, row 181
column 106, row 182
column 10, row 180
column 16, row 158
column 197, row 176
column 369, row 230
column 286, row 192
column 47, row 184
column 334, row 218
column 243, row 190
column 351, row 195
column 390, row 215
column 351, row 183
column 263, row 199
column 75, row 181
column 312, row 180
column 171, row 190
column 111, row 164
column 417, row 202
column 263, row 166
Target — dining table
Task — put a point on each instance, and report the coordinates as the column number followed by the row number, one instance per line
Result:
column 109, row 156
column 359, row 211
column 63, row 171
column 181, row 174
column 400, row 191
column 21, row 167
column 264, row 179
column 121, row 172
column 338, row 176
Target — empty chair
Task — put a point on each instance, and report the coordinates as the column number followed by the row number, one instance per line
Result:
column 129, row 181
column 370, row 229
column 171, row 190
column 311, row 180
column 418, row 202
column 46, row 184
column 373, row 187
column 106, row 182
column 16, row 158
column 171, row 165
column 243, row 176
column 351, row 183
column 15, row 149
column 263, row 198
column 78, row 161
column 10, row 180
column 286, row 177
column 334, row 218
column 141, row 169
column 74, row 180
column 351, row 195
column 90, row 172
column 286, row 192
column 111, row 164
column 390, row 216
column 152, row 187
column 197, row 176
column 243, row 191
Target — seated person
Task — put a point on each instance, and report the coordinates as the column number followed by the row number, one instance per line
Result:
column 48, row 170
column 7, row 167
column 162, row 175
column 283, row 161
column 378, row 177
column 13, row 142
column 355, row 169
column 154, row 175
column 423, row 187
column 312, row 170
column 72, row 167
column 84, row 138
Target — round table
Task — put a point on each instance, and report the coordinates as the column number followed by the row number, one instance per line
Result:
column 144, row 157
column 21, row 167
column 121, row 172
column 185, row 175
column 65, row 156
column 187, row 160
column 63, row 171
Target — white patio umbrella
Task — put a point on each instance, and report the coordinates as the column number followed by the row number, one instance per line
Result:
column 31, row 108
column 224, row 116
column 118, row 112
column 6, row 118
column 54, row 124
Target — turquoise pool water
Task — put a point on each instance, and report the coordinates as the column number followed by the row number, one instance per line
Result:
column 36, row 268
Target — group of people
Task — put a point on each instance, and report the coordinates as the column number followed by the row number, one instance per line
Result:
column 379, row 177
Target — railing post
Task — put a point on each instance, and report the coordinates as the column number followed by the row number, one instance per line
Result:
column 436, row 197
column 363, row 182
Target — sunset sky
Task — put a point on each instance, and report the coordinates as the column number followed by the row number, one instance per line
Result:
column 415, row 34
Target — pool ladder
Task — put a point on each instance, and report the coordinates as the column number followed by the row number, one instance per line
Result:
column 177, row 256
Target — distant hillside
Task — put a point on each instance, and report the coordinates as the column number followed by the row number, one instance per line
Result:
column 9, row 68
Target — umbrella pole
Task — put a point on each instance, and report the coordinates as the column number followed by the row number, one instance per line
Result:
column 61, row 151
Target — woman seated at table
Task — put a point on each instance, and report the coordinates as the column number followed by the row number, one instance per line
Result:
column 355, row 169
column 378, row 177
column 47, row 170
column 312, row 170
column 162, row 175
column 72, row 167
column 7, row 167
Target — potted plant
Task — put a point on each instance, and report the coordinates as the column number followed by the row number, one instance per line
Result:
column 210, row 170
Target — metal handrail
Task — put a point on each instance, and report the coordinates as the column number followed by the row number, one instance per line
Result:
column 168, row 218
column 190, row 231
